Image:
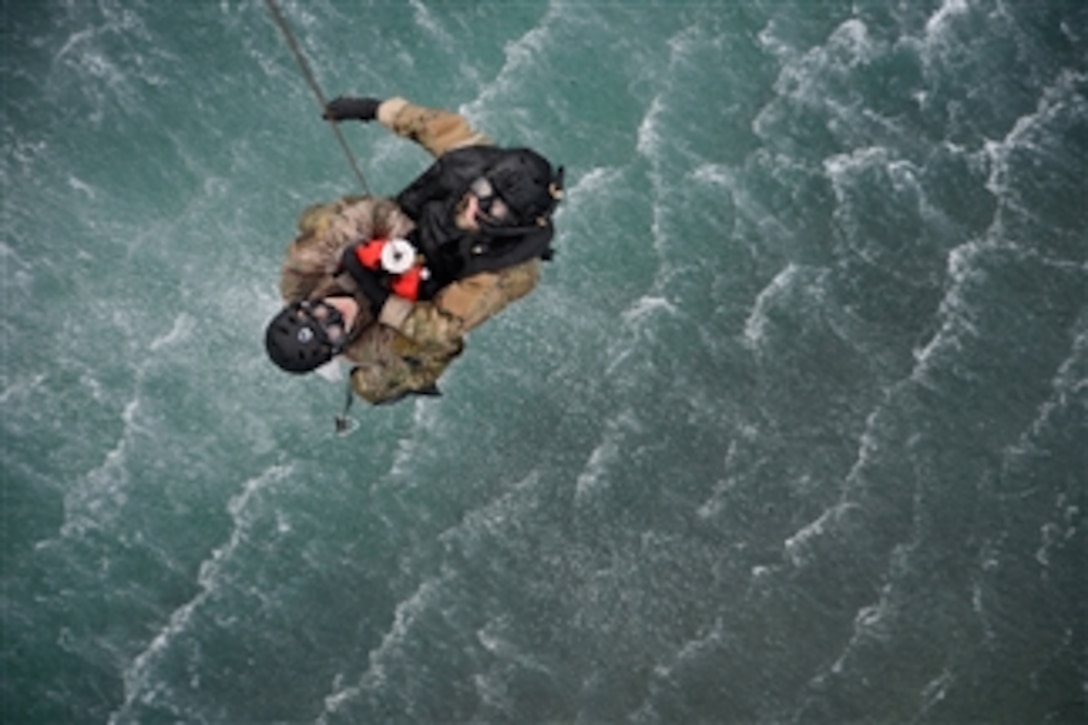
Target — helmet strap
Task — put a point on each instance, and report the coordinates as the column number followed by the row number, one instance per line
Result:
column 344, row 424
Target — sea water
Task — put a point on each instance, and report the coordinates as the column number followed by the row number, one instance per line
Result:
column 794, row 428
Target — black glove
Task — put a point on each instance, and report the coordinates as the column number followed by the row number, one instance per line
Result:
column 369, row 280
column 346, row 107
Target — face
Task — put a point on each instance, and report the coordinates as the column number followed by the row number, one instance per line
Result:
column 348, row 309
column 482, row 205
column 335, row 316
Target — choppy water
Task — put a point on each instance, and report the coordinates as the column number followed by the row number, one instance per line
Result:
column 794, row 429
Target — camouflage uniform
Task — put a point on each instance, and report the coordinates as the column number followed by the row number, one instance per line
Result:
column 410, row 344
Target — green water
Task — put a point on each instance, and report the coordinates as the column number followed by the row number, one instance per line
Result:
column 792, row 430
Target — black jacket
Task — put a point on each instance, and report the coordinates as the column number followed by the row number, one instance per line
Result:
column 452, row 254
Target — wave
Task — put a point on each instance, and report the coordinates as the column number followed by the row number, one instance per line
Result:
column 143, row 688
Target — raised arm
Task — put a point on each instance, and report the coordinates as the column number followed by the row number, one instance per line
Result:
column 435, row 129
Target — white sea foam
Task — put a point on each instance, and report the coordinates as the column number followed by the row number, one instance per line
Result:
column 713, row 505
column 871, row 622
column 493, row 692
column 841, row 168
column 590, row 186
column 638, row 322
column 1068, row 387
column 868, row 445
column 645, row 308
column 522, row 55
column 82, row 187
column 591, row 196
column 605, row 456
column 376, row 675
column 804, row 79
column 715, row 174
column 183, row 326
column 750, row 207
column 947, row 13
column 937, row 689
column 491, row 637
column 1053, row 100
column 798, row 548
column 97, row 500
column 649, row 129
column 957, row 316
column 426, row 20
column 691, row 650
column 424, row 419
column 769, row 40
column 138, row 677
column 18, row 279
column 102, row 79
column 755, row 327
column 500, row 518
column 593, row 474
column 853, row 38
column 23, row 388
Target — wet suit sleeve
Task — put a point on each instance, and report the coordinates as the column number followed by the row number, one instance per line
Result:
column 435, row 129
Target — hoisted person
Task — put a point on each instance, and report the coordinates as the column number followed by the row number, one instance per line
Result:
column 394, row 286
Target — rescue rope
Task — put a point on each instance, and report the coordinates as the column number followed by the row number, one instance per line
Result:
column 277, row 16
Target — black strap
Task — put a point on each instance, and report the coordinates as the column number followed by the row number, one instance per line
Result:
column 343, row 422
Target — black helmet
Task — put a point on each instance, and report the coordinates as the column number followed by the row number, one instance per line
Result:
column 525, row 181
column 305, row 335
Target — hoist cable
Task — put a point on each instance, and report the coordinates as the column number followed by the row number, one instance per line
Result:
column 292, row 43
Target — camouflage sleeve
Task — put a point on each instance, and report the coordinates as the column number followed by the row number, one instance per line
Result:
column 410, row 353
column 435, row 129
column 324, row 231
column 460, row 307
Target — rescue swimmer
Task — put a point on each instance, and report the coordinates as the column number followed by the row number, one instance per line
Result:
column 394, row 286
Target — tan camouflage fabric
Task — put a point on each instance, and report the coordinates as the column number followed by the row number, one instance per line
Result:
column 435, row 129
column 325, row 230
